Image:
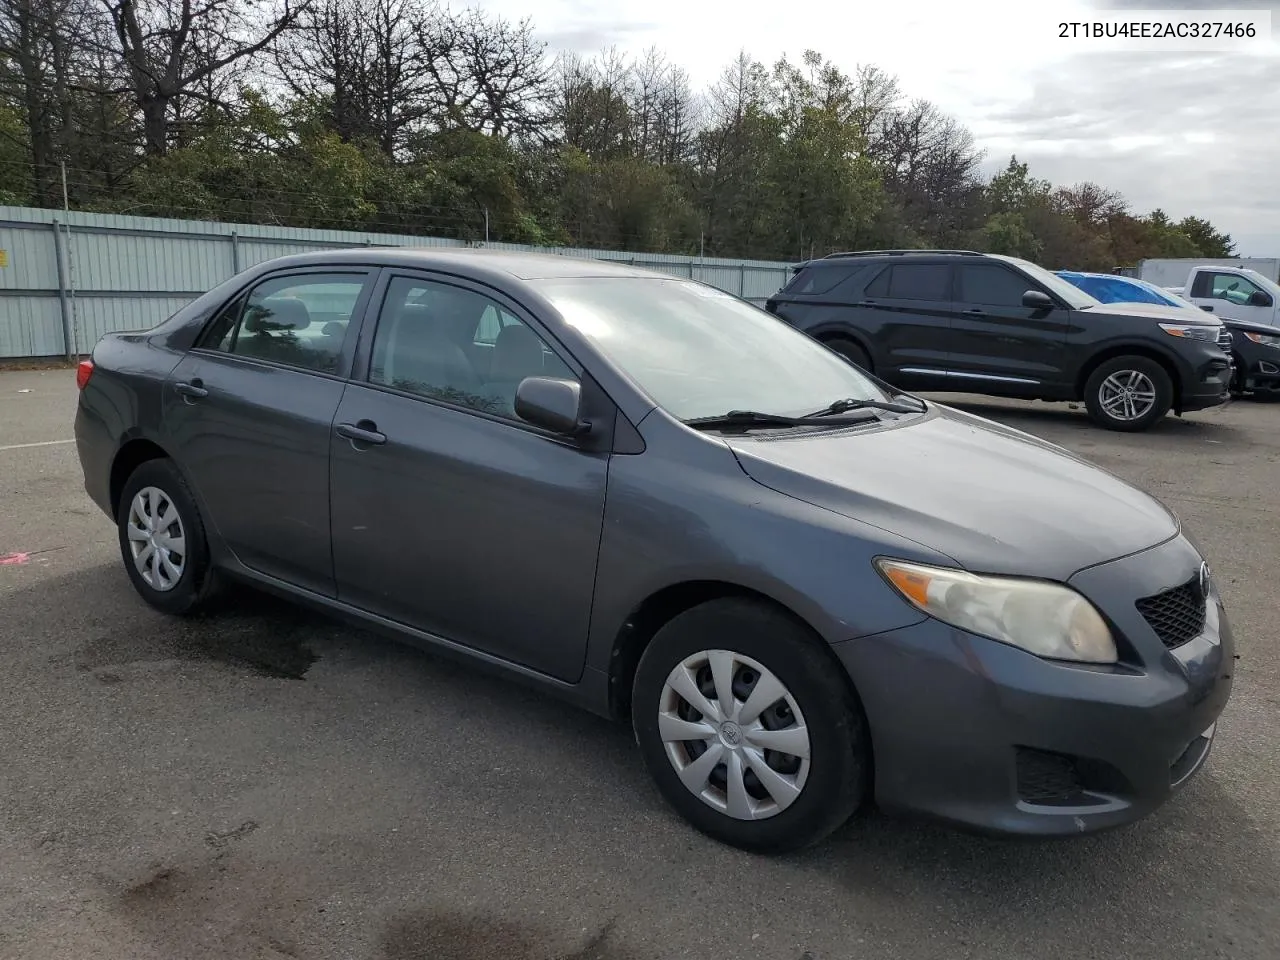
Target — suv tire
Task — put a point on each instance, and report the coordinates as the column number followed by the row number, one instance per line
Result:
column 1128, row 393
column 850, row 351
column 730, row 649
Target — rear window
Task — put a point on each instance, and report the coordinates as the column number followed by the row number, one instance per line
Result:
column 913, row 281
column 819, row 278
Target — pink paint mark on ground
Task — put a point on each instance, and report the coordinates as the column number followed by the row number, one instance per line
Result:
column 12, row 559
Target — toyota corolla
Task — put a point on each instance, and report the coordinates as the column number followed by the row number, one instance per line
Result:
column 804, row 589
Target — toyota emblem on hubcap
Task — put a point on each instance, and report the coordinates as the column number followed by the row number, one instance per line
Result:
column 731, row 734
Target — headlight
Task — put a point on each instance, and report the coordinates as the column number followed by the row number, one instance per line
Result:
column 1047, row 619
column 1191, row 331
column 1266, row 339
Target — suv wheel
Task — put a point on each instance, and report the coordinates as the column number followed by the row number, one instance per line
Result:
column 747, row 727
column 851, row 352
column 162, row 539
column 1128, row 393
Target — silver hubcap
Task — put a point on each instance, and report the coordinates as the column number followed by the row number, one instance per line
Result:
column 734, row 734
column 156, row 539
column 1127, row 395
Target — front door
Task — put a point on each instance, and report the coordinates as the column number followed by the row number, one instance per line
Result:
column 249, row 411
column 996, row 342
column 1234, row 297
column 450, row 514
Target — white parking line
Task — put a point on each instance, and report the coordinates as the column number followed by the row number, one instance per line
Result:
column 28, row 446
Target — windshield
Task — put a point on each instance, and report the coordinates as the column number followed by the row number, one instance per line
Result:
column 699, row 352
column 1266, row 284
column 1076, row 298
column 1164, row 296
column 1115, row 289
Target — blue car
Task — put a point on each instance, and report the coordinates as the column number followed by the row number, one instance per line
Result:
column 1255, row 347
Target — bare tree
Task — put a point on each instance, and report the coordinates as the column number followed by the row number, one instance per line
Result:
column 367, row 62
column 170, row 48
column 491, row 74
column 590, row 104
column 36, row 75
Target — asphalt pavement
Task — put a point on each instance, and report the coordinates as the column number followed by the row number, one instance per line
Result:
column 264, row 783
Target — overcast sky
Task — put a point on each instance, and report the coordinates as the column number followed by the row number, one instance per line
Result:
column 1192, row 133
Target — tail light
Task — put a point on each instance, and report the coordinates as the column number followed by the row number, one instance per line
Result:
column 83, row 372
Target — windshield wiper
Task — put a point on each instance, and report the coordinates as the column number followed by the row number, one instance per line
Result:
column 850, row 403
column 746, row 419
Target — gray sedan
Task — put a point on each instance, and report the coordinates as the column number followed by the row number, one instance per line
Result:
column 804, row 589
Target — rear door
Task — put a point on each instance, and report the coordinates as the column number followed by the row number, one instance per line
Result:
column 248, row 414
column 908, row 309
column 995, row 340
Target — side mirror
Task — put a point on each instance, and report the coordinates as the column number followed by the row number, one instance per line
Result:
column 1259, row 299
column 1038, row 300
column 551, row 404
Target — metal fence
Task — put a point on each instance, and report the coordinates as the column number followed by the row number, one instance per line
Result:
column 66, row 278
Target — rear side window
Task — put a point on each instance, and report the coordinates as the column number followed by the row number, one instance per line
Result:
column 818, row 279
column 913, row 281
column 299, row 321
column 991, row 286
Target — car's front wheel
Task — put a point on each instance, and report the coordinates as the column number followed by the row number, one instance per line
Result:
column 851, row 352
column 162, row 539
column 748, row 728
column 1128, row 393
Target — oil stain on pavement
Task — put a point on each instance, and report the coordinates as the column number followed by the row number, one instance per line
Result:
column 245, row 630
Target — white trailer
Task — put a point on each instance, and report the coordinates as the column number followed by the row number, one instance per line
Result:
column 1174, row 272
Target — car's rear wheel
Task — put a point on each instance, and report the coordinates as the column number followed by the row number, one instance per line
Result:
column 1128, row 393
column 851, row 352
column 748, row 728
column 162, row 539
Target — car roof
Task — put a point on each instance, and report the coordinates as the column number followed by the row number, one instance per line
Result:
column 519, row 265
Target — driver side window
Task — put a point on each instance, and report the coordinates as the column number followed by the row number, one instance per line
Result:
column 1232, row 288
column 455, row 345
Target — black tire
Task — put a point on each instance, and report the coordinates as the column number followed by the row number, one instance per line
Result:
column 1154, row 373
column 196, row 581
column 1236, row 387
column 840, row 755
column 851, row 352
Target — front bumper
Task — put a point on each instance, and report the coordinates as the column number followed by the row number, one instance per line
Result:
column 983, row 734
column 1209, row 386
column 1260, row 368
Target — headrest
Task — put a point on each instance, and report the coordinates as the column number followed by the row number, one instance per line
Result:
column 517, row 353
column 277, row 313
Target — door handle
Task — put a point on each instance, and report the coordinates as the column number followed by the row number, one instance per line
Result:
column 974, row 312
column 366, row 431
column 193, row 390
column 867, row 303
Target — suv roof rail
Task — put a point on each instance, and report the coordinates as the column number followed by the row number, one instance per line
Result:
column 899, row 253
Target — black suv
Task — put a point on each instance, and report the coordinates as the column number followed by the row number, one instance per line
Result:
column 965, row 322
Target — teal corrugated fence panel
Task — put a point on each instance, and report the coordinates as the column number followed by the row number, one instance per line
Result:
column 67, row 277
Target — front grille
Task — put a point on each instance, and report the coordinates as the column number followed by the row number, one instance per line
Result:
column 1225, row 339
column 1176, row 615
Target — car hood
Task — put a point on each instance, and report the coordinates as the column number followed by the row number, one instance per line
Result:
column 994, row 499
column 1156, row 311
